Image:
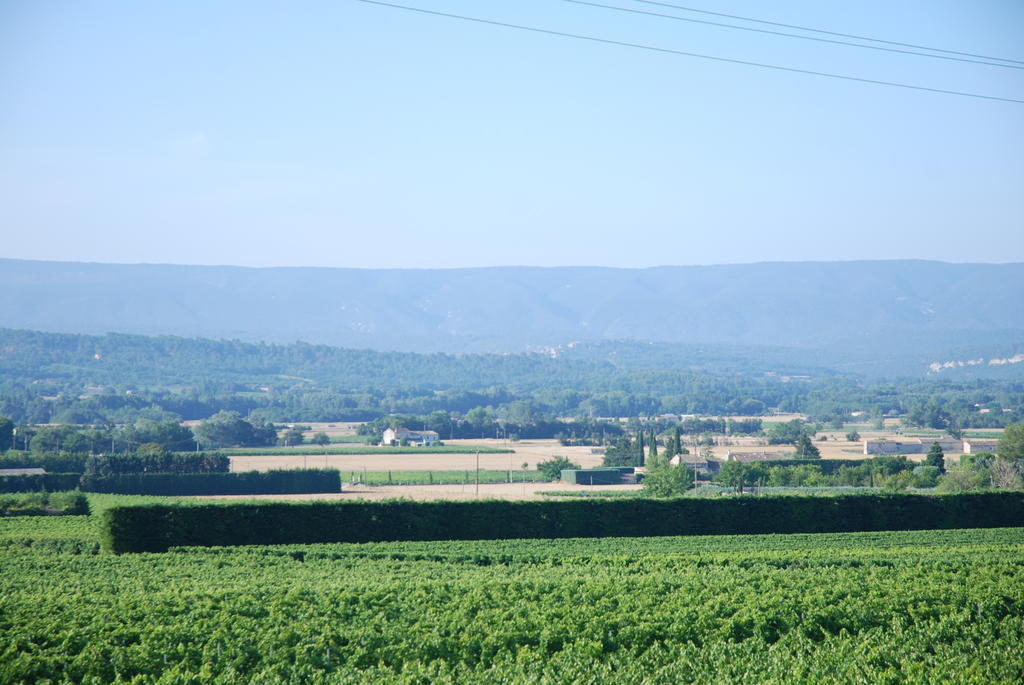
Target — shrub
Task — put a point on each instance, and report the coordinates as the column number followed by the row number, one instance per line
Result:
column 552, row 468
column 292, row 481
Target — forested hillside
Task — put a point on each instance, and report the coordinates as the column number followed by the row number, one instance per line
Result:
column 881, row 309
column 55, row 377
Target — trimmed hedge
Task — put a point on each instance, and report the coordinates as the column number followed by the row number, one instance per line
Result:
column 51, row 482
column 284, row 482
column 166, row 462
column 887, row 463
column 155, row 528
column 63, row 462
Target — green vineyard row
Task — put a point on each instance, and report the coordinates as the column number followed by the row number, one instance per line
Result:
column 879, row 607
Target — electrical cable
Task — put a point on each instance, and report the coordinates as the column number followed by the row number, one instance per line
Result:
column 682, row 53
column 829, row 33
column 792, row 35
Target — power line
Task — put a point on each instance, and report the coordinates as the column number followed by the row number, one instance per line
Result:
column 829, row 33
column 792, row 35
column 683, row 53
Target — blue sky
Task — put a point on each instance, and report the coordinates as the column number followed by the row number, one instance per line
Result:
column 347, row 134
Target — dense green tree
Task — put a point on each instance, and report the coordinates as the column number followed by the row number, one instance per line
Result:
column 228, row 429
column 662, row 479
column 652, row 450
column 623, row 453
column 737, row 475
column 152, row 449
column 480, row 420
column 936, row 458
column 168, row 433
column 292, row 436
column 321, row 439
column 925, row 476
column 1011, row 445
column 553, row 467
column 805, row 449
column 6, row 434
column 788, row 432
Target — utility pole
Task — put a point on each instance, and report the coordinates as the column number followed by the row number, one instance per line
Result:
column 478, row 473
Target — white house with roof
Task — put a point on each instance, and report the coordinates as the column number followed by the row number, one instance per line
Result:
column 395, row 436
column 696, row 462
column 975, row 445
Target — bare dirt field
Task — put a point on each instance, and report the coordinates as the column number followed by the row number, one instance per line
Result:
column 525, row 451
column 508, row 491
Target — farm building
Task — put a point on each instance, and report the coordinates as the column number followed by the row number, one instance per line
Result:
column 696, row 462
column 889, row 446
column 616, row 475
column 975, row 445
column 395, row 436
column 747, row 457
column 909, row 445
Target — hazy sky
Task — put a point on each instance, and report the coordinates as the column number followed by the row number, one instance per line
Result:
column 342, row 133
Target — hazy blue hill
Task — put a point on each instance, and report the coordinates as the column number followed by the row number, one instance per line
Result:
column 846, row 308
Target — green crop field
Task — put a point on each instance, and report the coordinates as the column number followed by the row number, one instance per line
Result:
column 920, row 606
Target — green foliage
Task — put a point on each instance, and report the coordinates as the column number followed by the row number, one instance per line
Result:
column 805, row 449
column 925, row 476
column 936, row 458
column 50, row 482
column 159, row 462
column 291, row 481
column 875, row 607
column 1011, row 445
column 60, row 462
column 625, row 452
column 158, row 527
column 552, row 468
column 961, row 479
column 665, row 480
column 44, row 504
column 737, row 475
column 853, row 436
column 292, row 437
column 228, row 429
column 6, row 434
column 788, row 433
column 175, row 378
column 47, row 535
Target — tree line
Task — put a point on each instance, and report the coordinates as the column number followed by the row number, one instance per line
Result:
column 63, row 378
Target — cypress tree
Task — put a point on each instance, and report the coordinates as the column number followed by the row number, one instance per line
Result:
column 652, row 450
column 936, row 457
column 805, row 449
column 640, row 440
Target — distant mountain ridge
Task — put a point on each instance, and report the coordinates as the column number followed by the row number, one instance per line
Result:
column 863, row 306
